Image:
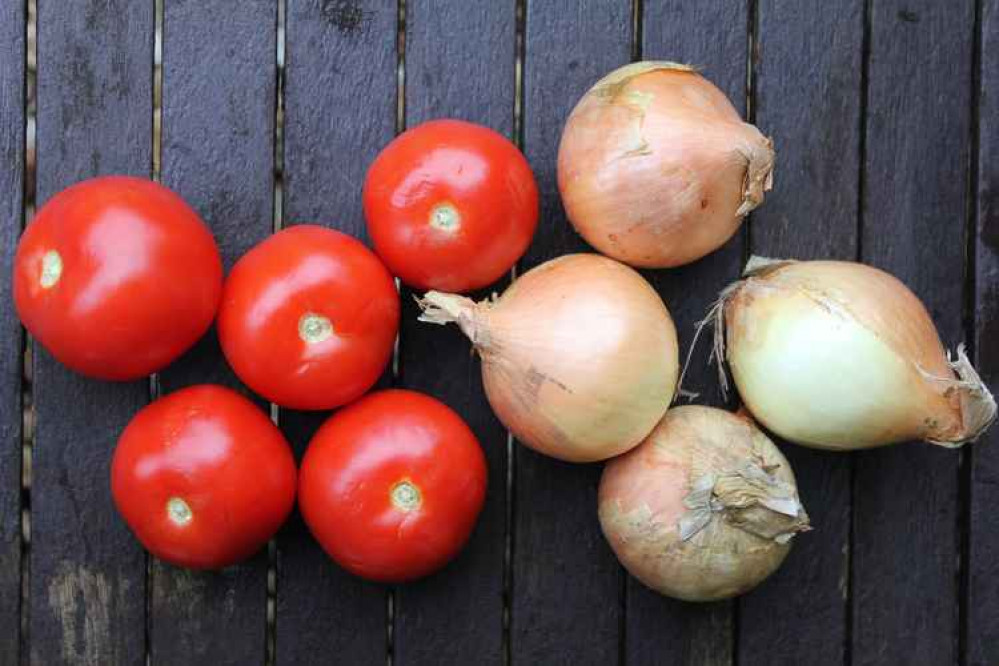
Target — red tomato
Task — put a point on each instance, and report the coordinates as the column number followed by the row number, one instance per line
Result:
column 450, row 205
column 391, row 485
column 202, row 477
column 309, row 318
column 116, row 277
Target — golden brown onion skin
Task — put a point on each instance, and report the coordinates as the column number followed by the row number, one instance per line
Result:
column 641, row 503
column 579, row 355
column 656, row 168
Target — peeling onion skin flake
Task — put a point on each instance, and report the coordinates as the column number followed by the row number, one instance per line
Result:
column 704, row 508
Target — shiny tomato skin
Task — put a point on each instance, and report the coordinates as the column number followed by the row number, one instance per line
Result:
column 362, row 455
column 300, row 273
column 220, row 455
column 140, row 277
column 466, row 168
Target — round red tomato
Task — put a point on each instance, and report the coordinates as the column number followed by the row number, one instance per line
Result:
column 309, row 318
column 203, row 477
column 116, row 277
column 450, row 205
column 391, row 485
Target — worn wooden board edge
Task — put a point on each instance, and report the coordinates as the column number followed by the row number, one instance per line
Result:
column 981, row 637
column 87, row 573
column 217, row 151
column 459, row 63
column 13, row 104
column 905, row 554
column 567, row 587
column 338, row 56
column 807, row 78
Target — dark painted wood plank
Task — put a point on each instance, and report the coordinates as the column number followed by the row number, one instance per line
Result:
column 982, row 638
column 219, row 78
column 808, row 78
column 460, row 60
column 713, row 36
column 12, row 155
column 340, row 109
column 87, row 602
column 906, row 498
column 566, row 603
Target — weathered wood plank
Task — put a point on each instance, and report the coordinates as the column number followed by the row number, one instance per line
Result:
column 219, row 78
column 713, row 36
column 87, row 596
column 340, row 109
column 567, row 587
column 12, row 154
column 808, row 78
column 460, row 60
column 906, row 498
column 982, row 637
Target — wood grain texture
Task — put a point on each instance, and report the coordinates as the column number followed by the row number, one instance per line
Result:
column 12, row 155
column 340, row 109
column 566, row 603
column 713, row 36
column 982, row 639
column 217, row 153
column 906, row 498
column 460, row 59
column 808, row 79
column 87, row 594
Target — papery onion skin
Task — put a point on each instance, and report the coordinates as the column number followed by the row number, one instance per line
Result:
column 839, row 355
column 641, row 504
column 656, row 168
column 579, row 355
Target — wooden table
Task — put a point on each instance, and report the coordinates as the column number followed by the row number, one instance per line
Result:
column 886, row 120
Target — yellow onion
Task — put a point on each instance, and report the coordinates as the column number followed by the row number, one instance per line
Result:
column 656, row 168
column 579, row 355
column 839, row 355
column 704, row 508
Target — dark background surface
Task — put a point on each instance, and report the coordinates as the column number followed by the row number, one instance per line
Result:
column 885, row 116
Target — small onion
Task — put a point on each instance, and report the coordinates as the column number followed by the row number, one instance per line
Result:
column 839, row 355
column 656, row 168
column 579, row 355
column 704, row 508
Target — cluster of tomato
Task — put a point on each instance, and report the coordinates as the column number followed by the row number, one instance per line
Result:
column 116, row 277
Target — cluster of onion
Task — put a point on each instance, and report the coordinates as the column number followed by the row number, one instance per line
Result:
column 580, row 361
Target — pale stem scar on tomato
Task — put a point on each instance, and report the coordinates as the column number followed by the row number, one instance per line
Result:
column 51, row 269
column 445, row 216
column 406, row 496
column 178, row 511
column 313, row 328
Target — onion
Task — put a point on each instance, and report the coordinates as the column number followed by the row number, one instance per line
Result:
column 704, row 508
column 656, row 168
column 579, row 356
column 839, row 355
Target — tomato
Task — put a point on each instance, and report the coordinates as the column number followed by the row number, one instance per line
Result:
column 450, row 205
column 116, row 277
column 391, row 485
column 309, row 318
column 203, row 477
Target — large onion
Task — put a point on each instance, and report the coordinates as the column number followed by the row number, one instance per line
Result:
column 840, row 355
column 579, row 355
column 656, row 168
column 704, row 508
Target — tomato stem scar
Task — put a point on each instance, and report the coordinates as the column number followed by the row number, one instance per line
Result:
column 51, row 269
column 406, row 496
column 178, row 511
column 313, row 328
column 445, row 216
